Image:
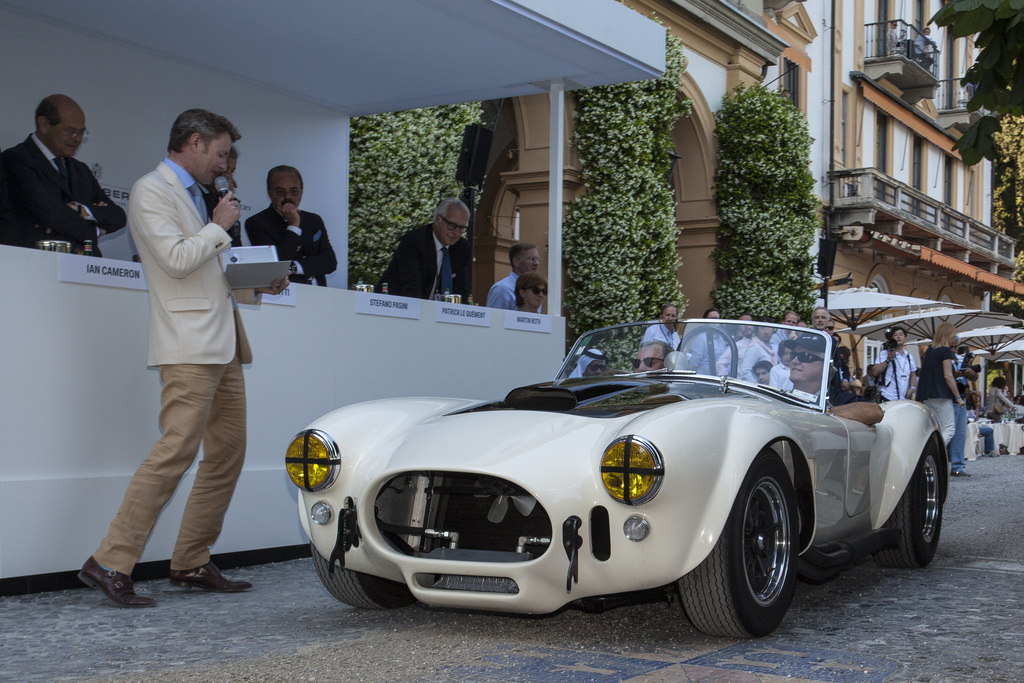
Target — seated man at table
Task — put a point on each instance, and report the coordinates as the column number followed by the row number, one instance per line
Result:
column 434, row 258
column 55, row 196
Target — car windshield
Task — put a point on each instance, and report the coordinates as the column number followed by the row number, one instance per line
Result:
column 794, row 360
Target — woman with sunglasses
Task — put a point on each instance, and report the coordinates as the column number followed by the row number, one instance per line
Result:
column 531, row 288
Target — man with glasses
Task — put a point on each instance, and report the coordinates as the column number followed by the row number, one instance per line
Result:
column 300, row 236
column 434, row 258
column 806, row 372
column 53, row 195
column 650, row 356
column 524, row 259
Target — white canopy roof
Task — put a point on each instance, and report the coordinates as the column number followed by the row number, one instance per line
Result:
column 369, row 56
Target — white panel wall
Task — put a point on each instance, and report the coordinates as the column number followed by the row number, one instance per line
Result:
column 80, row 406
column 130, row 101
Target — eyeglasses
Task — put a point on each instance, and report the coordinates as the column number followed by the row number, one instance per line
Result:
column 805, row 357
column 539, row 290
column 81, row 133
column 646, row 362
column 453, row 226
column 532, row 259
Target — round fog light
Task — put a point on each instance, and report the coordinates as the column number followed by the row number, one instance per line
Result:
column 320, row 513
column 636, row 529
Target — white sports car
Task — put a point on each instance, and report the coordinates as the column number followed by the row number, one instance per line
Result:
column 648, row 468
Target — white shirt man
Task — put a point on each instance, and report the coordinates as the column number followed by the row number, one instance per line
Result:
column 524, row 258
column 665, row 333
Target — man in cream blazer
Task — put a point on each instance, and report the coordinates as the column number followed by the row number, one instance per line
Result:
column 197, row 340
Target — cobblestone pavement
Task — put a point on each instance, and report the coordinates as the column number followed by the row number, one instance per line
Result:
column 961, row 619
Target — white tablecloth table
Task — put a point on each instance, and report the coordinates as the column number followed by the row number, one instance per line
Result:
column 1009, row 434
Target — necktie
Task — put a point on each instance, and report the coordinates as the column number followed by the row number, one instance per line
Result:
column 197, row 199
column 61, row 166
column 446, row 271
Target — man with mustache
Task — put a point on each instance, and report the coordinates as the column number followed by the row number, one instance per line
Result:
column 300, row 236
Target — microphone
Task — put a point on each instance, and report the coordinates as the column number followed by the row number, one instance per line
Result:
column 220, row 183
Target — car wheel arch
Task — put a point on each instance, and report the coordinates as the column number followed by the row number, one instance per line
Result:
column 800, row 473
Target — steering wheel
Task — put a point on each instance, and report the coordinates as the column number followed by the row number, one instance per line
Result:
column 712, row 333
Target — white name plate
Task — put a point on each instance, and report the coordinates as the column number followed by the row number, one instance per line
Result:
column 530, row 322
column 372, row 303
column 106, row 272
column 285, row 298
column 463, row 314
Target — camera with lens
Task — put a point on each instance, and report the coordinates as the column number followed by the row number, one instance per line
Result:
column 889, row 344
column 967, row 363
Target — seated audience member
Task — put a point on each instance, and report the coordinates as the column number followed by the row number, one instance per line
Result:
column 665, row 332
column 531, row 288
column 759, row 349
column 434, row 258
column 524, row 259
column 857, row 387
column 779, row 376
column 805, row 373
column 53, row 195
column 650, row 356
column 300, row 236
column 998, row 403
column 212, row 196
column 763, row 371
column 590, row 364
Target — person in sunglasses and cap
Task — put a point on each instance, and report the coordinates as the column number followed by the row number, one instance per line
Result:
column 805, row 372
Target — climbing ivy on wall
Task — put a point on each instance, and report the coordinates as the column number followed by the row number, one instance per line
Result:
column 767, row 210
column 620, row 235
column 401, row 165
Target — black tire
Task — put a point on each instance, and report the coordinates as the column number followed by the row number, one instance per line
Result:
column 361, row 590
column 918, row 516
column 744, row 587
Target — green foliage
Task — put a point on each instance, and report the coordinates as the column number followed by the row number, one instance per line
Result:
column 401, row 165
column 1008, row 202
column 766, row 206
column 620, row 236
column 998, row 72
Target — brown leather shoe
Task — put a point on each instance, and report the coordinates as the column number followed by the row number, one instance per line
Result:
column 115, row 585
column 208, row 577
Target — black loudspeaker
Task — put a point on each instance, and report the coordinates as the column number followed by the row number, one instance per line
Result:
column 826, row 256
column 476, row 146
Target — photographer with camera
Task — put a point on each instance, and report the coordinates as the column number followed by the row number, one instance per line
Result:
column 963, row 373
column 895, row 372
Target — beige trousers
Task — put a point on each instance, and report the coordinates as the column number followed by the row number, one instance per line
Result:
column 200, row 404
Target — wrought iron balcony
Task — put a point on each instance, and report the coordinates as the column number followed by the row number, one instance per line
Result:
column 868, row 197
column 906, row 57
column 951, row 101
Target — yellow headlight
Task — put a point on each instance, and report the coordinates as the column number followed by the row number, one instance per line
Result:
column 312, row 460
column 632, row 470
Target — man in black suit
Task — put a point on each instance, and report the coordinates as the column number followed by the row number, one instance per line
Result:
column 300, row 236
column 418, row 268
column 54, row 196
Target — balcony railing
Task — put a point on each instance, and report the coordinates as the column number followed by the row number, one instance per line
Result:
column 924, row 219
column 951, row 95
column 899, row 39
column 906, row 57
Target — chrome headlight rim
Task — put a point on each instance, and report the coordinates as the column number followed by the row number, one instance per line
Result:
column 333, row 460
column 657, row 470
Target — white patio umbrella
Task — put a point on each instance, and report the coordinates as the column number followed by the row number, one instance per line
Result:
column 855, row 306
column 1012, row 352
column 992, row 340
column 922, row 324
